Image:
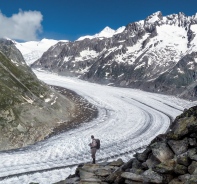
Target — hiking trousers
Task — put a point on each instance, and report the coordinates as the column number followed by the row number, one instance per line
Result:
column 93, row 152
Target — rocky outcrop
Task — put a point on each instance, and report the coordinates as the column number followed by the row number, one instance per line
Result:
column 8, row 48
column 157, row 54
column 170, row 158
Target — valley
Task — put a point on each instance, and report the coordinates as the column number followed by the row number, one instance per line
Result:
column 127, row 121
column 122, row 86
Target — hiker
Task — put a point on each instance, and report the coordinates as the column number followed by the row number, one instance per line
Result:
column 93, row 147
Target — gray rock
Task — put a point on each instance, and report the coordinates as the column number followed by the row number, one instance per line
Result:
column 74, row 180
column 192, row 167
column 137, row 164
column 193, row 157
column 91, row 167
column 119, row 179
column 179, row 146
column 142, row 157
column 86, row 175
column 103, row 172
column 132, row 182
column 193, row 179
column 192, row 142
column 183, row 159
column 117, row 163
column 161, row 151
column 113, row 176
column 145, row 166
column 192, row 152
column 184, row 178
column 164, row 168
column 90, row 181
column 151, row 176
column 152, row 161
column 176, row 181
column 127, row 165
column 132, row 176
column 193, row 135
column 136, row 171
column 180, row 169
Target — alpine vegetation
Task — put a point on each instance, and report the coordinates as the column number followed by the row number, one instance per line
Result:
column 29, row 109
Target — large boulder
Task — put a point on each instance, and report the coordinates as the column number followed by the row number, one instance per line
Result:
column 178, row 146
column 183, row 159
column 165, row 168
column 162, row 151
column 192, row 167
column 142, row 157
column 151, row 176
column 132, row 176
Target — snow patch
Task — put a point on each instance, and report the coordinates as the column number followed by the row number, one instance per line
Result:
column 89, row 53
column 16, row 63
column 107, row 32
column 180, row 71
column 33, row 50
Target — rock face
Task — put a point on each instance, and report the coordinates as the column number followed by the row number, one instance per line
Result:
column 170, row 158
column 158, row 54
column 29, row 109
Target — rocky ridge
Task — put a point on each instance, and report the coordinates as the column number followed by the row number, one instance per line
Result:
column 170, row 158
column 158, row 54
column 29, row 109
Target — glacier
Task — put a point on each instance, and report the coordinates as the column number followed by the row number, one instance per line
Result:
column 127, row 121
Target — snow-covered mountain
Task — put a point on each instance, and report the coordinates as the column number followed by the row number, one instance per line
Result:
column 107, row 32
column 156, row 54
column 33, row 50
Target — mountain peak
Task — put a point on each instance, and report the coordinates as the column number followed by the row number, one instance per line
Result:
column 108, row 30
column 181, row 14
column 154, row 17
column 105, row 33
column 158, row 13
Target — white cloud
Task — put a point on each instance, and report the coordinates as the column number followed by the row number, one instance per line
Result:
column 22, row 26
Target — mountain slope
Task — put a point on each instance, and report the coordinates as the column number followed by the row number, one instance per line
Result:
column 33, row 50
column 29, row 109
column 137, row 57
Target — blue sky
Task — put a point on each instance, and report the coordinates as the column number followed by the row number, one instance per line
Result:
column 70, row 19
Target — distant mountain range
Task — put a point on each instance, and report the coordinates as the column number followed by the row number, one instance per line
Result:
column 33, row 50
column 157, row 54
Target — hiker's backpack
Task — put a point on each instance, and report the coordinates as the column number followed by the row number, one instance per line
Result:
column 98, row 144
